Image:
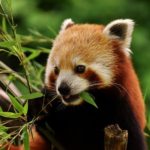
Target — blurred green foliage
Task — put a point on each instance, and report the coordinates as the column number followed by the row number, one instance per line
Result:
column 46, row 16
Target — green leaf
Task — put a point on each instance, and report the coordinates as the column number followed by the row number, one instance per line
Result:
column 36, row 33
column 26, row 138
column 88, row 98
column 26, row 49
column 10, row 114
column 16, row 104
column 32, row 96
column 148, row 119
column 25, row 108
column 7, row 44
column 3, row 128
column 32, row 56
column 4, row 27
column 1, row 110
column 4, row 136
column 45, row 50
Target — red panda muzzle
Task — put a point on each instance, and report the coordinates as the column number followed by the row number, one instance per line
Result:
column 71, row 98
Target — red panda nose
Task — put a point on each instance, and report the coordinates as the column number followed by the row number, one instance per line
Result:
column 64, row 89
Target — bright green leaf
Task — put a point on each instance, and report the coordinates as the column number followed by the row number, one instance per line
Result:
column 26, row 139
column 10, row 114
column 7, row 44
column 26, row 49
column 88, row 98
column 44, row 50
column 32, row 56
column 4, row 136
column 3, row 128
column 25, row 108
column 16, row 104
column 148, row 120
column 1, row 110
column 32, row 96
column 4, row 27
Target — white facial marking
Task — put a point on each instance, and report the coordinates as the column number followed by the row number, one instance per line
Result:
column 76, row 83
column 73, row 103
column 104, row 72
column 49, row 68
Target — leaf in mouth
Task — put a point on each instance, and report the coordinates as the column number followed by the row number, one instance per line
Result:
column 88, row 98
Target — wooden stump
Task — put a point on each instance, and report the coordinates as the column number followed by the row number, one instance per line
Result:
column 115, row 138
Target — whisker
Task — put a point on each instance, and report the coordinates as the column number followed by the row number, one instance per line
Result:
column 95, row 84
column 61, row 106
column 122, row 88
column 119, row 86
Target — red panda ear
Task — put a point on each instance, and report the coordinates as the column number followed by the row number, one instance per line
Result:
column 120, row 29
column 66, row 24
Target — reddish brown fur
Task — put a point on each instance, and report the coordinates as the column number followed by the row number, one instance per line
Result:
column 125, row 73
column 91, row 76
column 88, row 45
column 64, row 50
column 134, row 93
column 36, row 143
column 52, row 79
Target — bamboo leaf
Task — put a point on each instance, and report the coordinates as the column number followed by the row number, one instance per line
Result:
column 32, row 96
column 44, row 50
column 4, row 137
column 32, row 56
column 10, row 114
column 27, row 49
column 7, row 44
column 4, row 27
column 1, row 110
column 3, row 128
column 25, row 108
column 16, row 104
column 88, row 98
column 148, row 120
column 26, row 139
column 34, row 32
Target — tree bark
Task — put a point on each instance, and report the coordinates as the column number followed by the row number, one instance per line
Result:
column 115, row 138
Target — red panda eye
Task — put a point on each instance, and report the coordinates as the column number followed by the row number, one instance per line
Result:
column 56, row 70
column 80, row 69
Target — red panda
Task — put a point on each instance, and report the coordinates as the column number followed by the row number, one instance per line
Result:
column 93, row 58
column 93, row 55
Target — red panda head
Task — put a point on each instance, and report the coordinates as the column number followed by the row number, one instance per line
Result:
column 86, row 56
